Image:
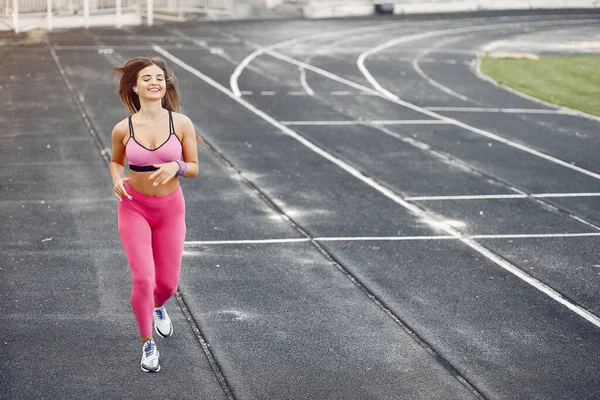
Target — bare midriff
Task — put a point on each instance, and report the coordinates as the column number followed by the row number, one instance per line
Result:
column 140, row 182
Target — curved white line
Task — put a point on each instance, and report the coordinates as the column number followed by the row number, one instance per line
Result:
column 303, row 79
column 415, row 64
column 233, row 80
column 432, row 82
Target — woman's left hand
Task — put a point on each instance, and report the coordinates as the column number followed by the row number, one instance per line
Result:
column 165, row 173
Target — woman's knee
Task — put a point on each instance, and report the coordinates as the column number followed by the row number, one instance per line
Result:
column 166, row 288
column 143, row 284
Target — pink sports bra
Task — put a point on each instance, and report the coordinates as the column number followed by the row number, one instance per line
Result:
column 141, row 158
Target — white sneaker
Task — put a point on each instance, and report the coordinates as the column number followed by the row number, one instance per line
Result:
column 150, row 356
column 162, row 322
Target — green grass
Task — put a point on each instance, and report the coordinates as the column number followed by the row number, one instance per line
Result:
column 570, row 81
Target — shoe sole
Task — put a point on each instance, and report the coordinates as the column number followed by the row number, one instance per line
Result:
column 162, row 335
column 150, row 370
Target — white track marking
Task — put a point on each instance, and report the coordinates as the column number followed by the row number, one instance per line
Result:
column 374, row 122
column 418, row 212
column 390, row 238
column 340, row 93
column 251, row 241
column 536, row 235
column 501, row 196
column 432, row 82
column 303, row 81
column 415, row 64
column 502, row 110
column 267, row 93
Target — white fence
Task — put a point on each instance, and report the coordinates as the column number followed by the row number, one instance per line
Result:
column 223, row 7
column 21, row 15
column 62, row 6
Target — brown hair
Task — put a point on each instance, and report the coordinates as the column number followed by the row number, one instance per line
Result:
column 129, row 73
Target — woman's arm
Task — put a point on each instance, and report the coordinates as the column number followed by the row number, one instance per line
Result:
column 190, row 147
column 117, row 162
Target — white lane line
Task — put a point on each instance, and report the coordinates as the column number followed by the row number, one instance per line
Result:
column 536, row 235
column 340, row 93
column 415, row 64
column 430, row 60
column 392, row 97
column 382, row 238
column 303, row 81
column 468, row 197
column 501, row 196
column 58, row 202
column 549, row 195
column 103, row 49
column 246, row 92
column 501, row 110
column 374, row 122
column 390, row 238
column 267, row 93
column 425, row 216
column 254, row 241
column 432, row 82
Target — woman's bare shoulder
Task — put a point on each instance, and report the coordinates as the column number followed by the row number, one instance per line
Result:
column 182, row 118
column 121, row 129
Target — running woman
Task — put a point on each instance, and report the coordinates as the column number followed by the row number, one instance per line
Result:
column 160, row 145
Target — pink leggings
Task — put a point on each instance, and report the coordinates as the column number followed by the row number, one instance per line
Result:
column 152, row 231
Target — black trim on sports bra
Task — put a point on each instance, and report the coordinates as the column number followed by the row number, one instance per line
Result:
column 171, row 124
column 142, row 168
column 130, row 127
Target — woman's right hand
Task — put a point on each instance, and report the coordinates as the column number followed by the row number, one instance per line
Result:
column 119, row 187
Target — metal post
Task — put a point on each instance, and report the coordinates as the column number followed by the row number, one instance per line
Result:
column 49, row 15
column 138, row 11
column 16, row 15
column 86, row 13
column 150, row 12
column 119, row 24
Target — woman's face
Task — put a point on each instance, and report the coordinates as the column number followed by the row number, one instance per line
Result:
column 151, row 82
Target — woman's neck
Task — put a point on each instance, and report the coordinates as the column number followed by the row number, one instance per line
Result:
column 152, row 110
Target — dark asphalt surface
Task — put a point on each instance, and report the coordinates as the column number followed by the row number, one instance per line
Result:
column 354, row 294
